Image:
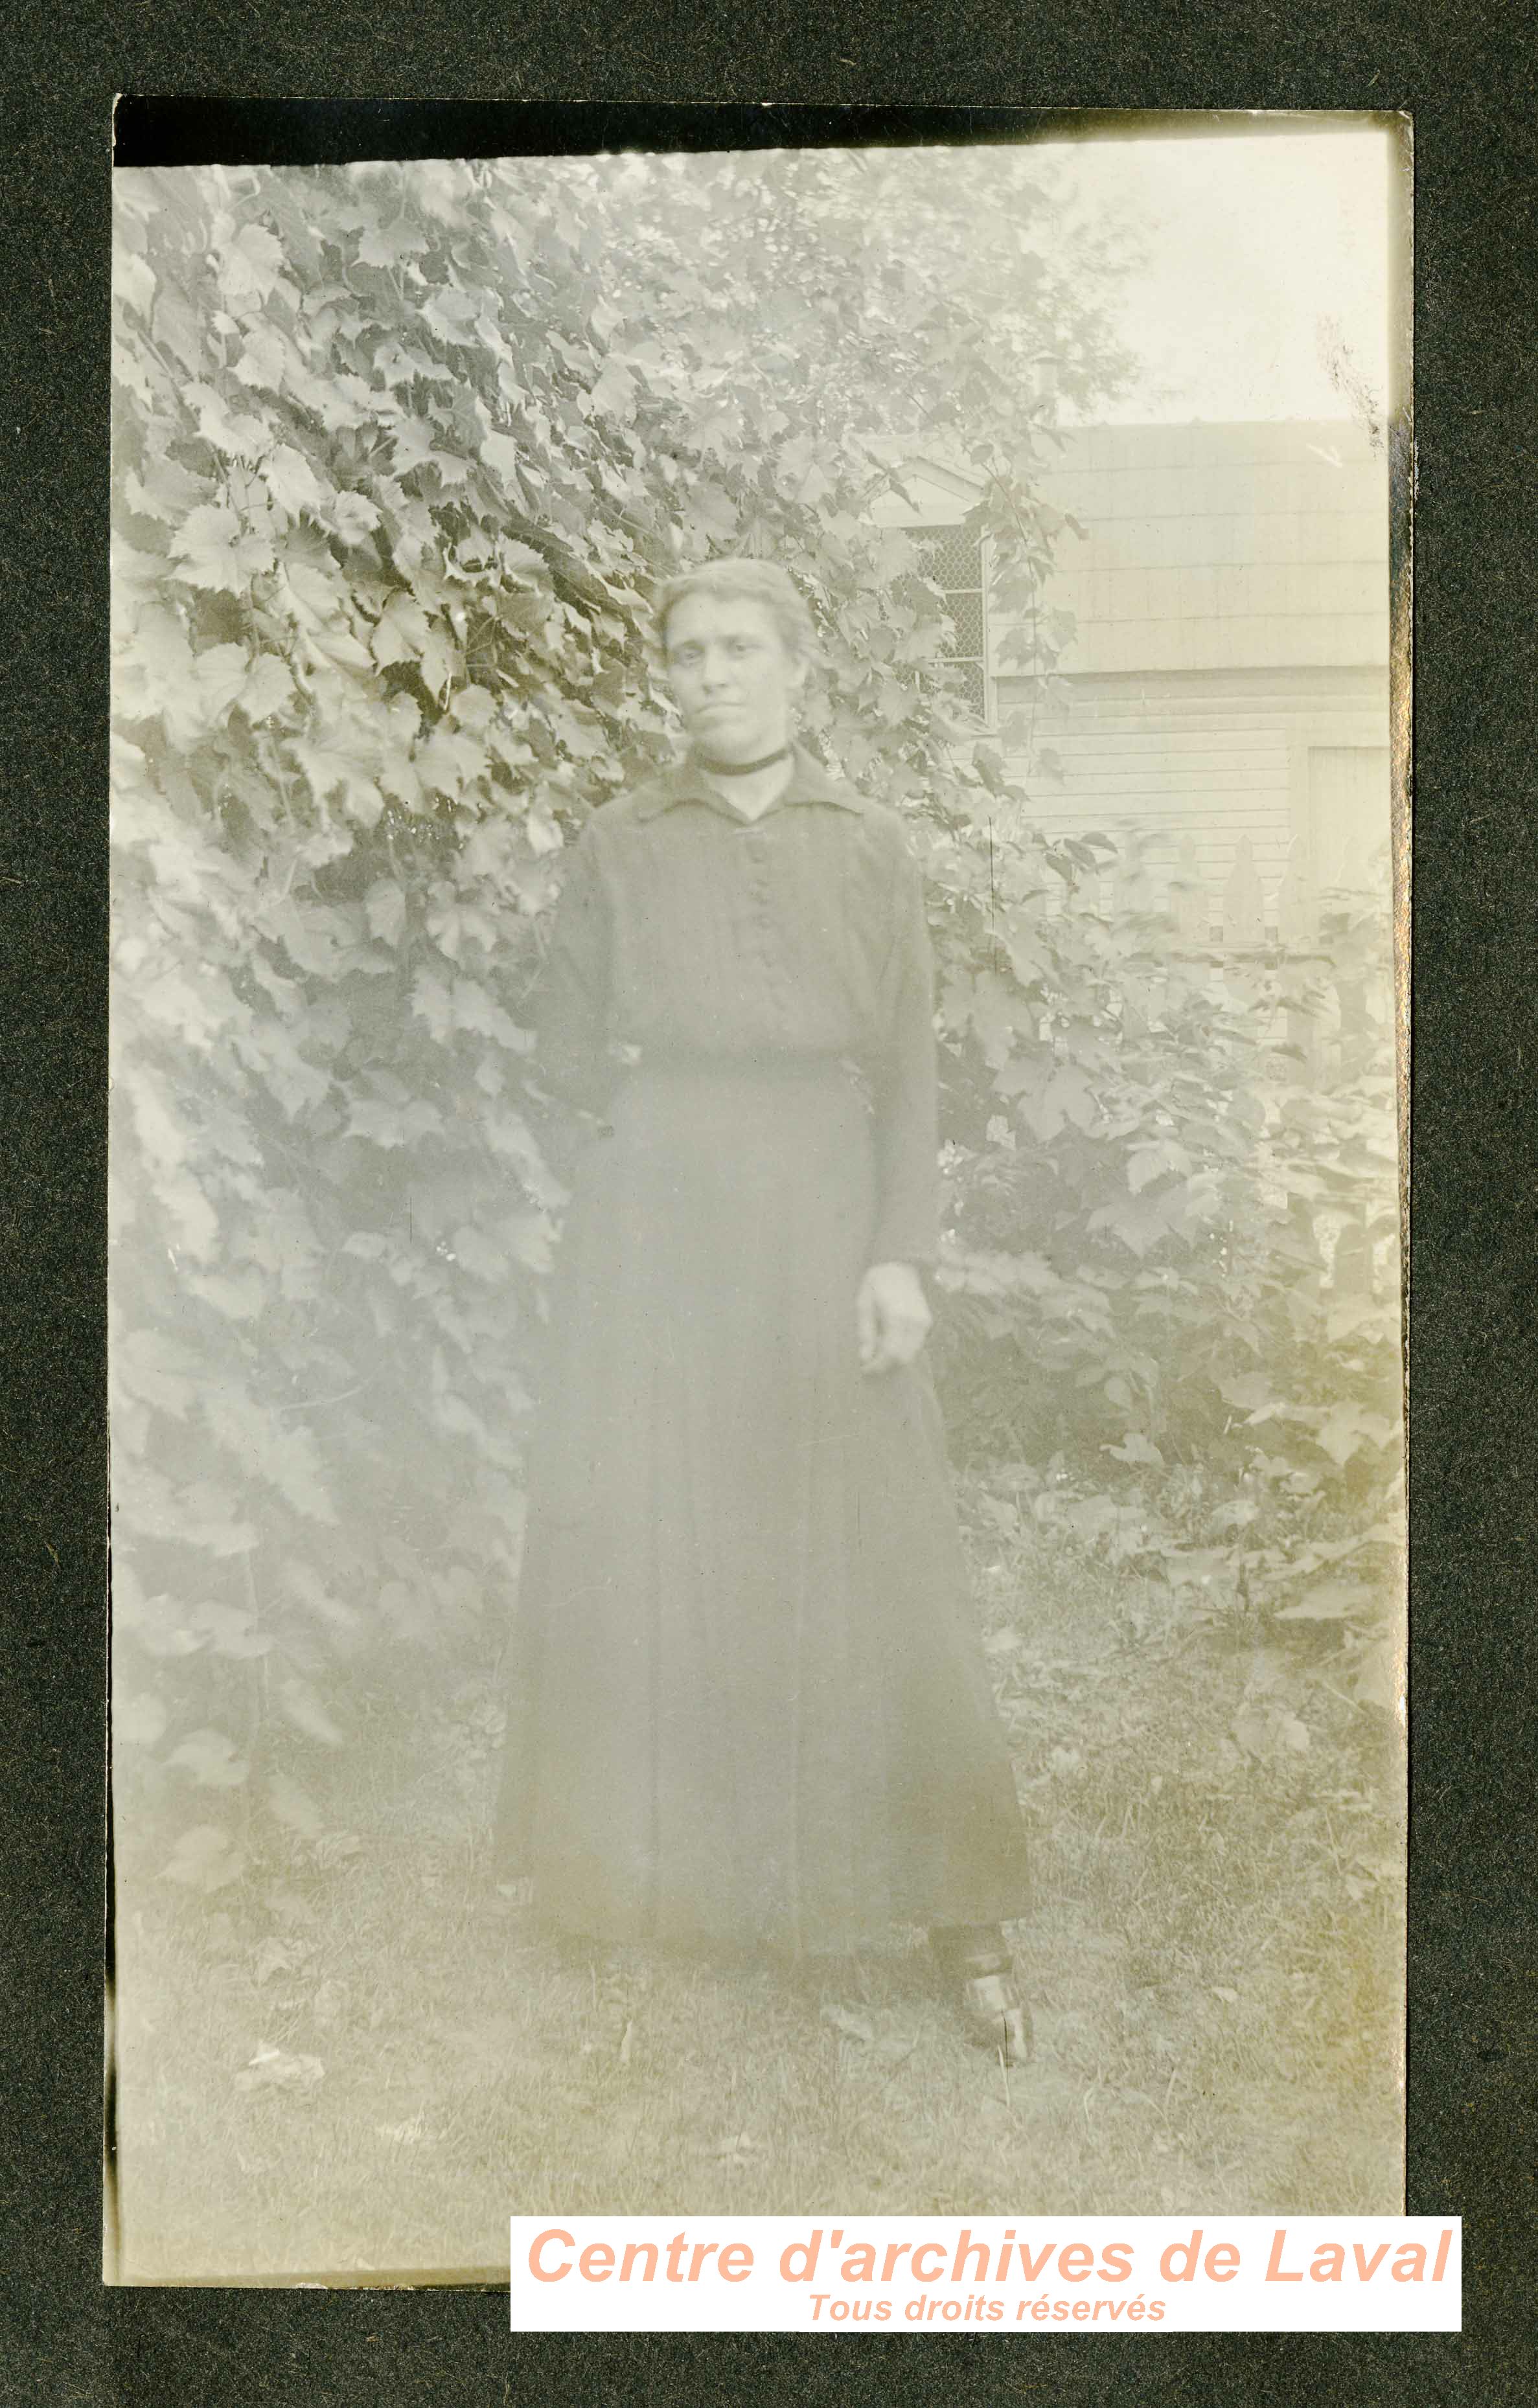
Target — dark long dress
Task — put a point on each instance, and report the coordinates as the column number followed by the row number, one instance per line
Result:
column 748, row 1703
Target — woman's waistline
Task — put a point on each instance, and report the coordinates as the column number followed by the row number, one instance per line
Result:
column 768, row 1068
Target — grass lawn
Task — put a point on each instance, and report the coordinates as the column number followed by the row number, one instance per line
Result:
column 359, row 2062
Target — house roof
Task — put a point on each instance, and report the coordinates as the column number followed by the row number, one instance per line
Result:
column 1207, row 546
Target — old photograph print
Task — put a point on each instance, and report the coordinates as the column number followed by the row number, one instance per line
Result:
column 758, row 1456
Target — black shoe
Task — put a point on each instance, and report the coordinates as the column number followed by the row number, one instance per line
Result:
column 996, row 2015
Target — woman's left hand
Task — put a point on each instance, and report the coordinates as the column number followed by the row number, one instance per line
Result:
column 892, row 1316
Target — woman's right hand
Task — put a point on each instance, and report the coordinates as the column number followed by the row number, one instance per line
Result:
column 892, row 1316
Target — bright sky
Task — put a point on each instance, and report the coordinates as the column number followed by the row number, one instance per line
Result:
column 1254, row 240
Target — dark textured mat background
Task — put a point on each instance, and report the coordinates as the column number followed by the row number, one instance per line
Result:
column 1468, row 75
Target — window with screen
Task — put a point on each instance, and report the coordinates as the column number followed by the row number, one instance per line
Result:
column 953, row 559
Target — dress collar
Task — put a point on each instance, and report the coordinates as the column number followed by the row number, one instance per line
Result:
column 686, row 783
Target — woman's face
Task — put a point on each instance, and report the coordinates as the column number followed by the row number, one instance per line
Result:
column 732, row 677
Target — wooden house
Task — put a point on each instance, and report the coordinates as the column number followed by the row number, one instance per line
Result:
column 1225, row 686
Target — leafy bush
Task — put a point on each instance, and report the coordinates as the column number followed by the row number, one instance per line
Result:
column 1176, row 1235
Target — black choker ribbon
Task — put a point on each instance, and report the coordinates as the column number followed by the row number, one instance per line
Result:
column 740, row 768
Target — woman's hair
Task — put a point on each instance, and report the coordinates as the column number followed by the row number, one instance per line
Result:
column 763, row 581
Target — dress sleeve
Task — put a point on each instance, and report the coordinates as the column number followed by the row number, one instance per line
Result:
column 906, row 1226
column 571, row 1061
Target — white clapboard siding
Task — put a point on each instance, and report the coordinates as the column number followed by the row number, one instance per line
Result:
column 1220, row 758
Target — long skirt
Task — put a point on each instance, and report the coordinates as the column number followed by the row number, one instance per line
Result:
column 749, row 1707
